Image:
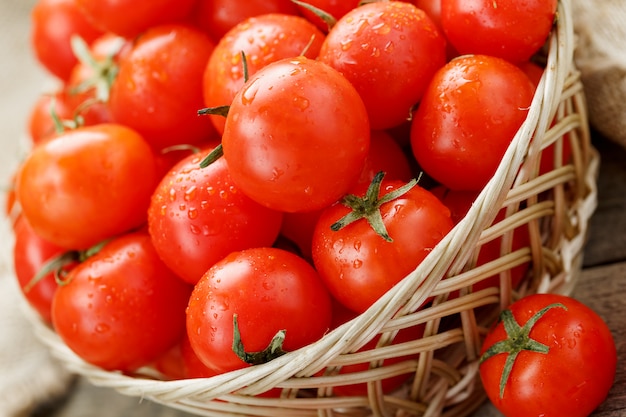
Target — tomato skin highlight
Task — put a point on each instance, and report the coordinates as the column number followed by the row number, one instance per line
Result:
column 87, row 185
column 129, row 18
column 358, row 265
column 269, row 290
column 263, row 39
column 467, row 118
column 572, row 379
column 53, row 23
column 122, row 308
column 197, row 216
column 397, row 47
column 296, row 136
column 158, row 89
column 509, row 29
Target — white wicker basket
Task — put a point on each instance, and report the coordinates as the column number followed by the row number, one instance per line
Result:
column 556, row 206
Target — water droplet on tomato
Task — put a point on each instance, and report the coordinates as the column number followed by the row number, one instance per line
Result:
column 194, row 229
column 357, row 245
column 357, row 263
column 192, row 213
column 102, row 328
column 249, row 92
column 190, row 193
column 301, row 103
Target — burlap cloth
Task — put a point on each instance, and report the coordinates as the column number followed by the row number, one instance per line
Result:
column 29, row 376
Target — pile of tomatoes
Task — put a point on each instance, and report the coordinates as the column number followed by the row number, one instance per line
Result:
column 217, row 182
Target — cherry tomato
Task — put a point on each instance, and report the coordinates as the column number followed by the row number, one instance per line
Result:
column 216, row 17
column 30, row 253
column 267, row 290
column 386, row 155
column 53, row 23
column 122, row 308
column 549, row 355
column 509, row 29
column 296, row 136
column 397, row 47
column 87, row 185
column 467, row 118
column 130, row 18
column 357, row 262
column 263, row 39
column 298, row 229
column 197, row 216
column 158, row 89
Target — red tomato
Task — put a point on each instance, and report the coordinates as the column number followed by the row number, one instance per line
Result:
column 359, row 265
column 509, row 29
column 549, row 355
column 268, row 290
column 386, row 155
column 158, row 89
column 216, row 17
column 397, row 47
column 122, row 308
column 263, row 39
column 87, row 185
column 53, row 23
column 30, row 253
column 197, row 216
column 336, row 8
column 130, row 18
column 296, row 136
column 298, row 229
column 467, row 118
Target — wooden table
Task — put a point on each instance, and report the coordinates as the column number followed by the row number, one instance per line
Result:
column 602, row 286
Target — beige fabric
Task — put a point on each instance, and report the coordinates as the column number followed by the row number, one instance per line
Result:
column 601, row 57
column 28, row 375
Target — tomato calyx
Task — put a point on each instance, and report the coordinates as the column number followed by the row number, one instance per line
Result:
column 518, row 339
column 104, row 70
column 58, row 265
column 368, row 206
column 325, row 16
column 272, row 351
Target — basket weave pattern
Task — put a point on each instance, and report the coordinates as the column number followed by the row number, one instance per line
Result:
column 555, row 206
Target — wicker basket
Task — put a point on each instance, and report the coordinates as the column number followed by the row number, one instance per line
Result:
column 556, row 207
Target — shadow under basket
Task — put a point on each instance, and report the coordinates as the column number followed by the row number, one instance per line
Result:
column 553, row 208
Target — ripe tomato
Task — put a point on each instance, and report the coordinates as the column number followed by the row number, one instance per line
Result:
column 197, row 216
column 130, row 18
column 216, row 17
column 357, row 264
column 30, row 253
column 263, row 39
column 53, row 23
column 467, row 118
column 158, row 89
column 509, row 29
column 268, row 290
column 397, row 47
column 296, row 136
column 385, row 155
column 87, row 185
column 122, row 308
column 549, row 355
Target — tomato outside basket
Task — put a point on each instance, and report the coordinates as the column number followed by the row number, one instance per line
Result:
column 555, row 206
